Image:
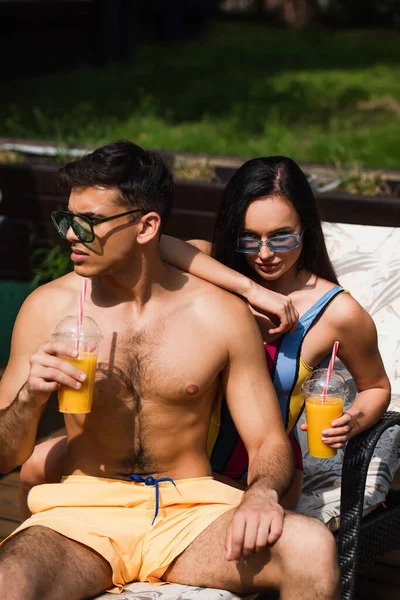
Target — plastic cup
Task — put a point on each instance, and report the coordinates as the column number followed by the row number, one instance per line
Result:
column 321, row 411
column 87, row 343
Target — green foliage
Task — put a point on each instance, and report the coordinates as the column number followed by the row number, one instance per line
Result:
column 9, row 156
column 356, row 180
column 246, row 89
column 49, row 262
column 199, row 170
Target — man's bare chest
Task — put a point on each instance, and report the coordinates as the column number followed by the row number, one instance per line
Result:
column 173, row 365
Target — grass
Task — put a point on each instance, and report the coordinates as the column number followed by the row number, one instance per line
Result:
column 243, row 89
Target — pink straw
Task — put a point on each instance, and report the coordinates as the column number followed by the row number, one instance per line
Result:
column 80, row 312
column 330, row 369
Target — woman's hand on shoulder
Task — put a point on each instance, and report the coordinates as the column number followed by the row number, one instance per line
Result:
column 277, row 307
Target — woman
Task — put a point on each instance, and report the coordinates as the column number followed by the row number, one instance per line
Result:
column 268, row 231
column 268, row 246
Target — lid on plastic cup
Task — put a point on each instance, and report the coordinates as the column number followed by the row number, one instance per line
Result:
column 69, row 326
column 315, row 384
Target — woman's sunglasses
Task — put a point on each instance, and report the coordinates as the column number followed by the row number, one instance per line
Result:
column 278, row 243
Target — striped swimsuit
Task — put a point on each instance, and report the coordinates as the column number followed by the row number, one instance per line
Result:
column 288, row 371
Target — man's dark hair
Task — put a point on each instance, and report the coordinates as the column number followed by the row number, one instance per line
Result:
column 141, row 177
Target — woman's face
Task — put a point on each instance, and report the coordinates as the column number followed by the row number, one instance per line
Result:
column 263, row 219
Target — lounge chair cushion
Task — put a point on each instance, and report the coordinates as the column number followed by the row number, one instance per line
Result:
column 367, row 263
column 145, row 591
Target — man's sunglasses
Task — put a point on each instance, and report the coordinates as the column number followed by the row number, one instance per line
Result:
column 82, row 226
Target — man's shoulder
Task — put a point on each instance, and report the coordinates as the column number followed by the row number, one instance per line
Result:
column 216, row 302
column 45, row 307
column 222, row 318
column 53, row 294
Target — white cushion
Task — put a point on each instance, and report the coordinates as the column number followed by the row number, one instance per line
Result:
column 367, row 263
column 146, row 591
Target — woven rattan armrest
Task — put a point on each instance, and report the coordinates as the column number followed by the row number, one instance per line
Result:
column 361, row 540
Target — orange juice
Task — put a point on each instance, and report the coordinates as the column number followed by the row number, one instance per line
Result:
column 79, row 401
column 319, row 416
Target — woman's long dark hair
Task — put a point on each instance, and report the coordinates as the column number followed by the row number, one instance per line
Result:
column 263, row 177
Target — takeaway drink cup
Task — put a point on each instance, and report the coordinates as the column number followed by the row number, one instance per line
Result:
column 322, row 409
column 85, row 338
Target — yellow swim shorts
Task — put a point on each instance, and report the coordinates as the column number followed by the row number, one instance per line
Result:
column 115, row 518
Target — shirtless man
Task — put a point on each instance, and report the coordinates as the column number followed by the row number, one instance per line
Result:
column 170, row 340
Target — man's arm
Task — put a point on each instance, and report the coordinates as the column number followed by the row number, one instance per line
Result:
column 31, row 375
column 254, row 408
column 18, row 428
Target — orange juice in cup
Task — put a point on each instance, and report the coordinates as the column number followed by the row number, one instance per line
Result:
column 322, row 408
column 84, row 338
column 79, row 401
column 319, row 415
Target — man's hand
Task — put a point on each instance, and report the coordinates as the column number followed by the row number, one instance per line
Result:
column 48, row 371
column 274, row 305
column 257, row 523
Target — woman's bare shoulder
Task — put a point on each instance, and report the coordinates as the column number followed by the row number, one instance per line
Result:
column 347, row 313
column 309, row 289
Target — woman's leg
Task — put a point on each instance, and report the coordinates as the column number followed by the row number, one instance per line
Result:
column 45, row 465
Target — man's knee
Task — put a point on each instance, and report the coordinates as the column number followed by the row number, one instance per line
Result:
column 45, row 465
column 14, row 576
column 6, row 585
column 308, row 554
column 28, row 477
column 33, row 470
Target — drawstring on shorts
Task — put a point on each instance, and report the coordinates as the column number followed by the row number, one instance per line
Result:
column 150, row 480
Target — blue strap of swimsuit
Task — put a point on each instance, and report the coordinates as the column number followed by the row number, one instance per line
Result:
column 149, row 480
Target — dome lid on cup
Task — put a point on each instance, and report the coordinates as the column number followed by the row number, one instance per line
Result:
column 315, row 383
column 68, row 327
column 321, row 374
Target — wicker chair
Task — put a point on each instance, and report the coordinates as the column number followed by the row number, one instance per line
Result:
column 361, row 540
column 361, row 233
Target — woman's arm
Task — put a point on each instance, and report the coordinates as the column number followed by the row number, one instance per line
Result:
column 359, row 352
column 194, row 257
